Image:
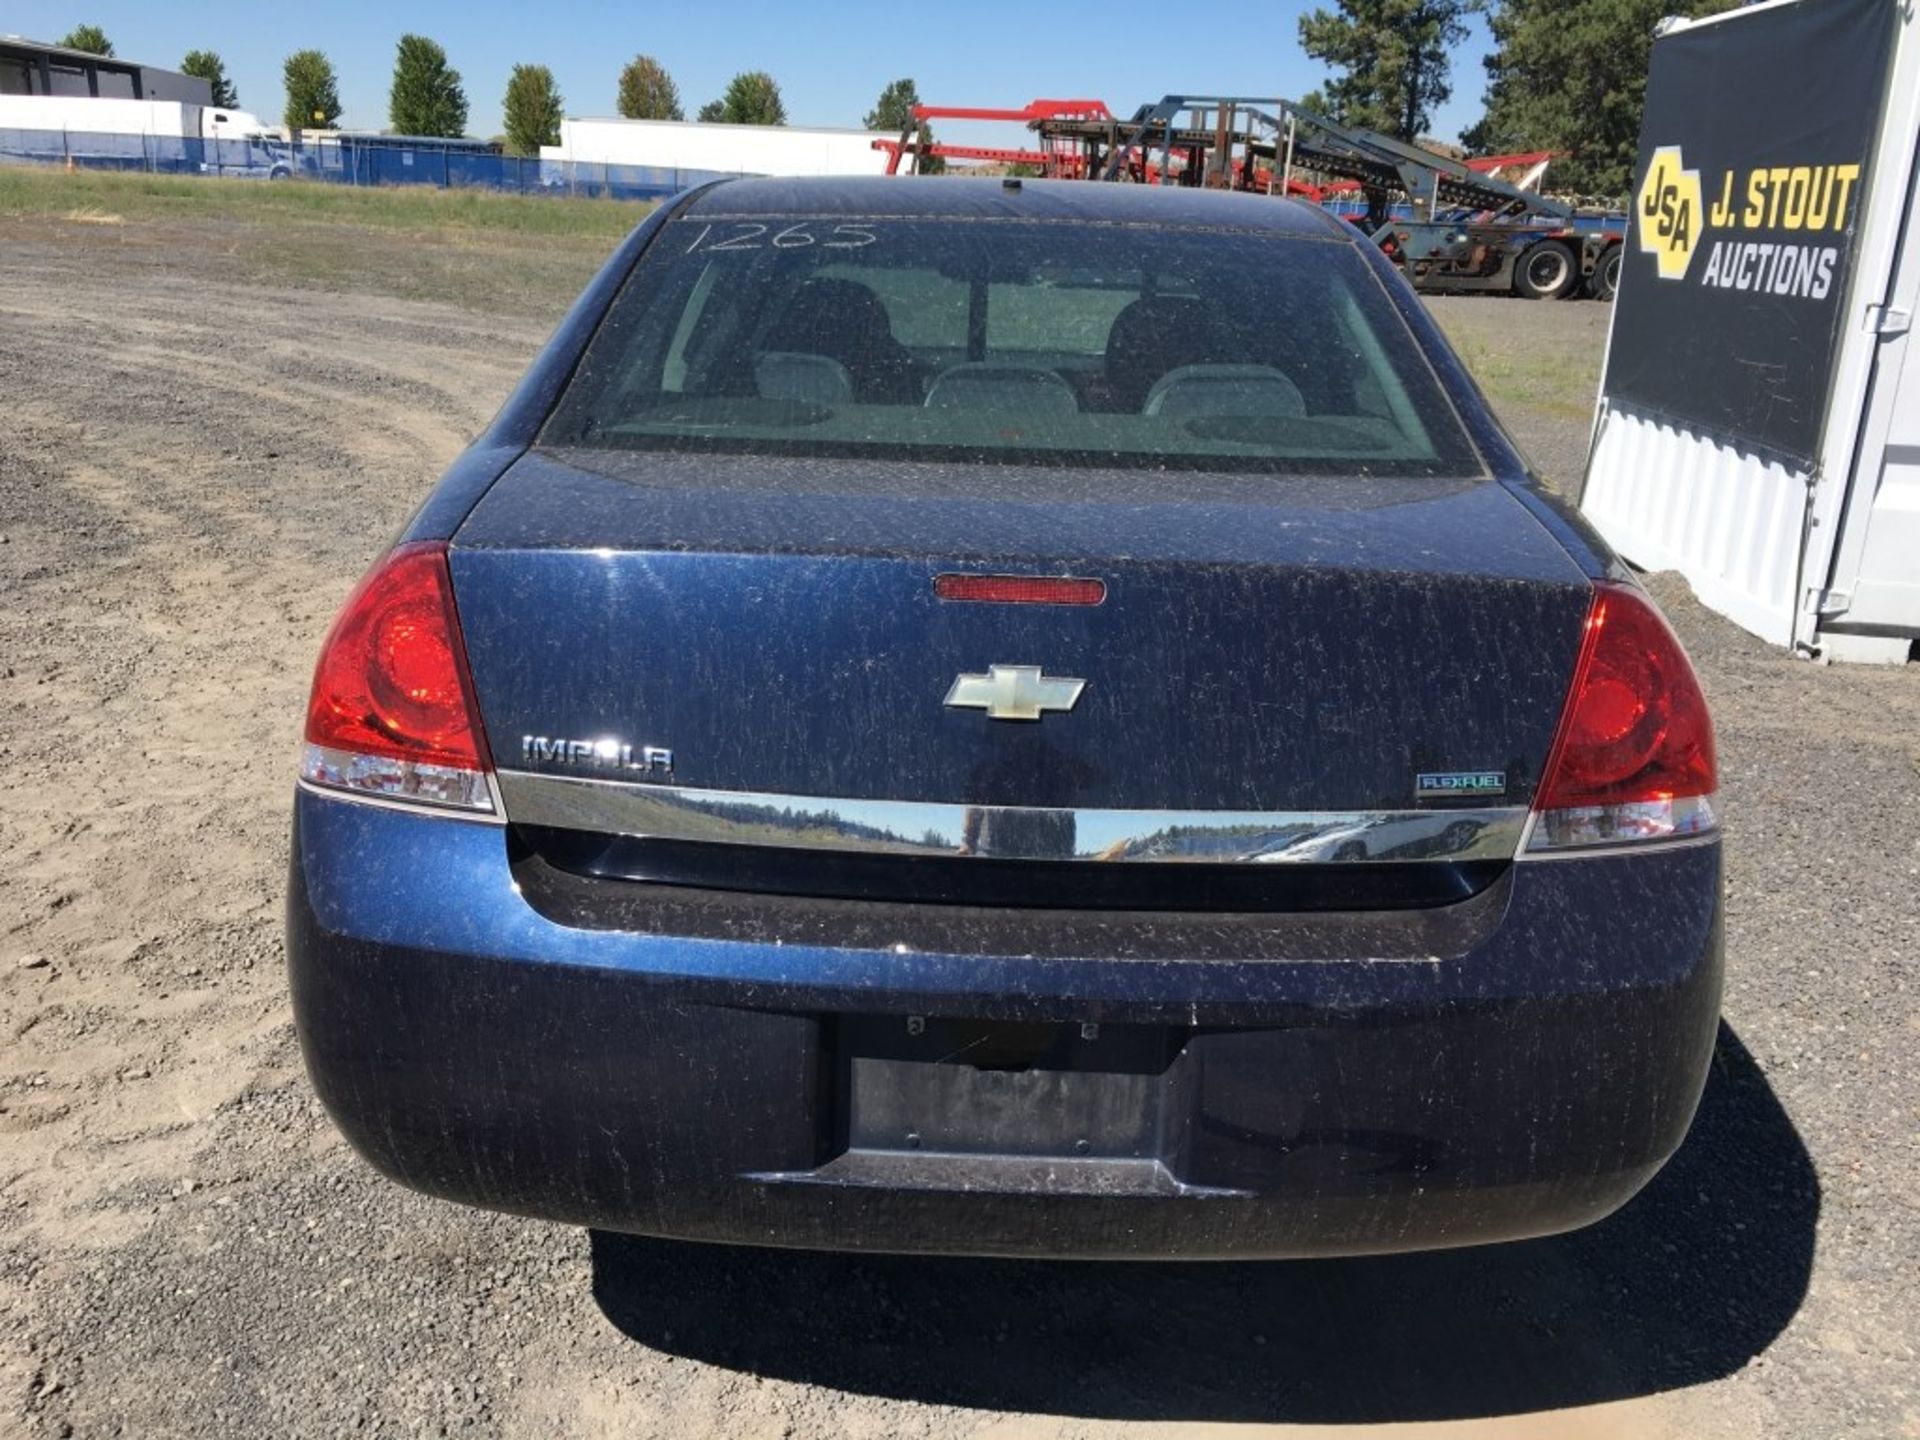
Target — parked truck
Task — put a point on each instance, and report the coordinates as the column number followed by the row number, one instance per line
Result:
column 1454, row 225
column 160, row 135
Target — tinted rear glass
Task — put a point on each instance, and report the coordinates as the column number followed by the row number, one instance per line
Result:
column 1012, row 342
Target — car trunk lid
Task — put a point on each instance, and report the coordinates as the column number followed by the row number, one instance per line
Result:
column 1264, row 645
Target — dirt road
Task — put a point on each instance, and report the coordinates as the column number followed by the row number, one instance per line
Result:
column 192, row 472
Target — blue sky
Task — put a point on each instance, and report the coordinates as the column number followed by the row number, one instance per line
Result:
column 831, row 60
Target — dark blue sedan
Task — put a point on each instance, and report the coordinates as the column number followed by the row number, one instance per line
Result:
column 1006, row 718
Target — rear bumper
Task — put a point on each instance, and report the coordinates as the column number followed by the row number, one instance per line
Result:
column 476, row 1040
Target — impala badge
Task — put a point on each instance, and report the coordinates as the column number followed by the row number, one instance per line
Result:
column 1014, row 692
column 606, row 753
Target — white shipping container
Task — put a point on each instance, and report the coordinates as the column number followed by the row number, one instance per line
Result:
column 718, row 149
column 1823, row 557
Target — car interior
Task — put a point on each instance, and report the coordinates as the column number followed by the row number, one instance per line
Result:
column 1163, row 355
column 972, row 339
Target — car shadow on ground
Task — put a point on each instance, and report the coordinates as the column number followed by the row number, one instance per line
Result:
column 1687, row 1283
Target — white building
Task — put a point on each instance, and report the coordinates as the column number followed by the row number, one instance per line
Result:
column 28, row 67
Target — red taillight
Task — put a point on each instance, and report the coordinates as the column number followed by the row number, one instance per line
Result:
column 392, row 707
column 1021, row 589
column 1636, row 726
column 1634, row 756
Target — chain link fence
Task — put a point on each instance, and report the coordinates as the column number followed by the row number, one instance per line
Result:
column 376, row 160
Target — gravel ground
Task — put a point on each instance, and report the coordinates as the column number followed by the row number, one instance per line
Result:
column 192, row 474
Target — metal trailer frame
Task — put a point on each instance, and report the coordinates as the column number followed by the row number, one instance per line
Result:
column 1464, row 228
column 1056, row 163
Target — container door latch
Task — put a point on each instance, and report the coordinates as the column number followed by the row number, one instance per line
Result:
column 1888, row 321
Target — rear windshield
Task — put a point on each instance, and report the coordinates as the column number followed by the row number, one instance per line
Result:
column 1010, row 342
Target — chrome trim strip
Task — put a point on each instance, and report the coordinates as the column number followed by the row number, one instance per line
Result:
column 917, row 828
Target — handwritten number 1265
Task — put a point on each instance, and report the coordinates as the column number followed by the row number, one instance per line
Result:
column 746, row 235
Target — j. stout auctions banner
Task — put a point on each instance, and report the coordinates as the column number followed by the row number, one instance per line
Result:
column 1754, row 156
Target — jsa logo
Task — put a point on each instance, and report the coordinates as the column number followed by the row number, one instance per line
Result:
column 1669, row 211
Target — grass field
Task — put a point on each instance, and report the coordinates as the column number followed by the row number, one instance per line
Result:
column 521, row 254
column 32, row 190
column 1556, row 380
column 530, row 255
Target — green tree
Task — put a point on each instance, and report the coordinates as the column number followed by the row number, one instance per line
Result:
column 426, row 98
column 712, row 113
column 752, row 98
column 208, row 66
column 533, row 109
column 313, row 93
column 647, row 92
column 1391, row 57
column 893, row 113
column 90, row 38
column 1571, row 75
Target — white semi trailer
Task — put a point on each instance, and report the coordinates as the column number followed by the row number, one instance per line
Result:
column 698, row 149
column 152, row 133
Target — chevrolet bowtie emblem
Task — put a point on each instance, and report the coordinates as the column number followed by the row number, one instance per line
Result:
column 1014, row 692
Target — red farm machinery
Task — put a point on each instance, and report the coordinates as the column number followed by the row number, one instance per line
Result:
column 1453, row 225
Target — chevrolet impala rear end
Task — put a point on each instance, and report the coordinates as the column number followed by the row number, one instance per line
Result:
column 1033, row 719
